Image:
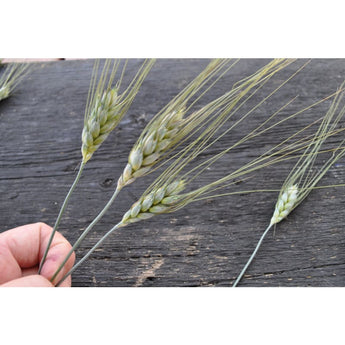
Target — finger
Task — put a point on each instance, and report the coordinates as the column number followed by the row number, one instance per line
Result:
column 23, row 247
column 29, row 281
column 24, row 243
column 19, row 248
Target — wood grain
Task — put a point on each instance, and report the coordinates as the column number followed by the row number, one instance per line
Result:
column 205, row 244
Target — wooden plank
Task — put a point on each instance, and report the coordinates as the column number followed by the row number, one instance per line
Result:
column 207, row 243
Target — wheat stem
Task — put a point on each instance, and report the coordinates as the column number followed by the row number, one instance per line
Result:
column 252, row 256
column 117, row 226
column 57, row 222
column 86, row 231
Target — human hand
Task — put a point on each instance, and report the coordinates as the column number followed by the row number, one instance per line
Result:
column 21, row 250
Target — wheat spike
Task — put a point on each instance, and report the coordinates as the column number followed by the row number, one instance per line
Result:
column 160, row 200
column 106, row 106
column 103, row 118
column 285, row 204
column 150, row 148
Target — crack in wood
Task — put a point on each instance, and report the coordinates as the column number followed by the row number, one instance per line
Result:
column 149, row 273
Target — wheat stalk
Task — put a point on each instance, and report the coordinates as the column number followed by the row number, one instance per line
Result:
column 12, row 76
column 302, row 180
column 105, row 108
column 169, row 128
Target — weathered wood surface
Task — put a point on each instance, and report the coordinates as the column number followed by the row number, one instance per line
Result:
column 205, row 244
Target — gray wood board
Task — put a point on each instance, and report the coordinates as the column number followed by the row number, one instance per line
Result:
column 204, row 244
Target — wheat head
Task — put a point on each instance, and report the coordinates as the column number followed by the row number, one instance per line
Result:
column 103, row 118
column 149, row 149
column 285, row 204
column 303, row 178
column 106, row 106
column 160, row 200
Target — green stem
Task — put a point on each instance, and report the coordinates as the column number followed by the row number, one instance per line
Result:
column 85, row 232
column 252, row 256
column 57, row 222
column 89, row 252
